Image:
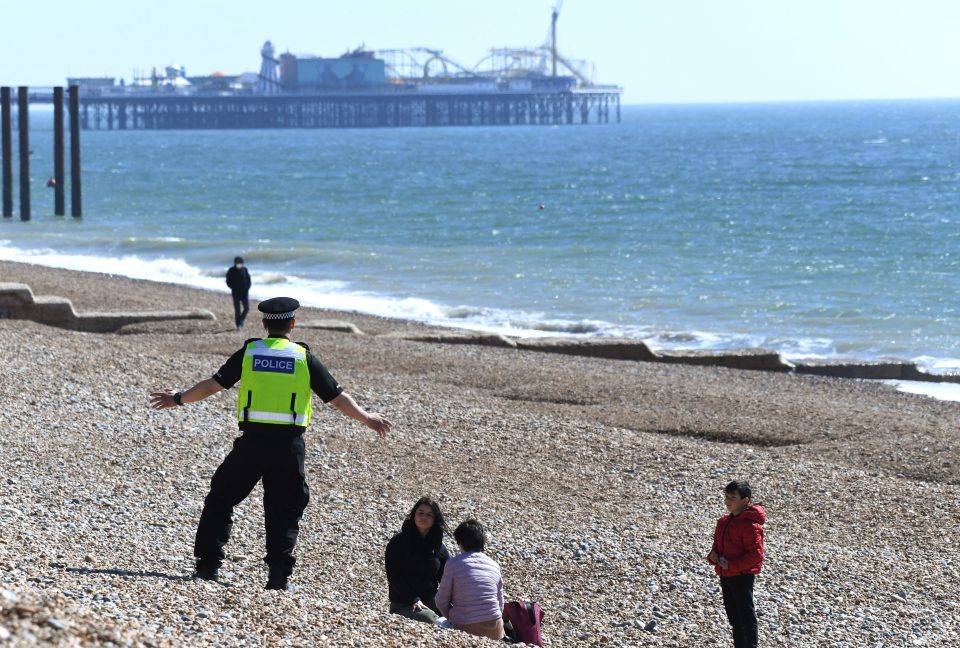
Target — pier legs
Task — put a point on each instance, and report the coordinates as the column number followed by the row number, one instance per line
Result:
column 23, row 121
column 58, row 202
column 6, row 145
column 74, row 93
column 23, row 128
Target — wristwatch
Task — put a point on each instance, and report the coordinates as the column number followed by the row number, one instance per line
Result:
column 177, row 398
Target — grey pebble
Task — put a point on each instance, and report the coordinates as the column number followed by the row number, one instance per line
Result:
column 56, row 624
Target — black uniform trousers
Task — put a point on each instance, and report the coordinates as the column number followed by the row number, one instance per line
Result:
column 738, row 603
column 278, row 461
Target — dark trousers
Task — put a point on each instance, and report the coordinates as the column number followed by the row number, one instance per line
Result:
column 279, row 462
column 241, row 306
column 428, row 615
column 738, row 602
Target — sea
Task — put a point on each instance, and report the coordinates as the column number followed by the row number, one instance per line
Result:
column 819, row 230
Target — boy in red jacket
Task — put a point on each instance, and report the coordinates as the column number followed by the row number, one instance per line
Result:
column 737, row 555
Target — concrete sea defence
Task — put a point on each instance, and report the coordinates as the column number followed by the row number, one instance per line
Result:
column 746, row 359
column 17, row 301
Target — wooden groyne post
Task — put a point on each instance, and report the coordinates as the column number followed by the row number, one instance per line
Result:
column 6, row 135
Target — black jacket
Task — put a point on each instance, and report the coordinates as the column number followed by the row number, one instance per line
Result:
column 414, row 564
column 238, row 279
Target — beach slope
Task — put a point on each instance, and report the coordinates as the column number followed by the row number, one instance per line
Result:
column 600, row 481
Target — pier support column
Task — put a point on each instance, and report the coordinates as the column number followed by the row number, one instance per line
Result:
column 74, row 93
column 6, row 145
column 58, row 202
column 23, row 122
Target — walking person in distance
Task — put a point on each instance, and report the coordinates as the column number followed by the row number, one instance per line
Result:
column 238, row 280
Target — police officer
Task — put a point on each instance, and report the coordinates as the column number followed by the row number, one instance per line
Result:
column 273, row 409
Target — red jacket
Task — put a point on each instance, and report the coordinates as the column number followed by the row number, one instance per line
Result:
column 739, row 539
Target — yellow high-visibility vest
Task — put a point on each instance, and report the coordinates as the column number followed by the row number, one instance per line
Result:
column 274, row 384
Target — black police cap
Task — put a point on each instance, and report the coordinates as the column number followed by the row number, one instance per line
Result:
column 278, row 308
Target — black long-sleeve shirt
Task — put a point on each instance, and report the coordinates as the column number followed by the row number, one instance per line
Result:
column 414, row 565
column 238, row 280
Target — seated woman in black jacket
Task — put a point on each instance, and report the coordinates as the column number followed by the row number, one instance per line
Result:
column 414, row 559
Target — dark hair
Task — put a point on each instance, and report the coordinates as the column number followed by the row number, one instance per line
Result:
column 238, row 260
column 470, row 535
column 439, row 524
column 277, row 327
column 740, row 487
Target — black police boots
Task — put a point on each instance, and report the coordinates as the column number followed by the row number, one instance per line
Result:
column 277, row 580
column 207, row 573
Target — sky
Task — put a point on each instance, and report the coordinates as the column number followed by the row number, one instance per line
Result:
column 658, row 51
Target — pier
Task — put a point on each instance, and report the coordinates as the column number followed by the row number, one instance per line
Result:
column 348, row 110
column 411, row 87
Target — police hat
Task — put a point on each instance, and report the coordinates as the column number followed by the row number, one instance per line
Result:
column 278, row 308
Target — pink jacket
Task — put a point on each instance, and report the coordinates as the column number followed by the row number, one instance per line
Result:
column 471, row 590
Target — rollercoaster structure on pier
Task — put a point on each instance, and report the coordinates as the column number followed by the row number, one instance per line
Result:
column 362, row 88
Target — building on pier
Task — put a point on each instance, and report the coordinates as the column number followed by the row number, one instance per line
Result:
column 363, row 89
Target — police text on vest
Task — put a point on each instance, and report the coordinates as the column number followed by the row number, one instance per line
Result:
column 276, row 365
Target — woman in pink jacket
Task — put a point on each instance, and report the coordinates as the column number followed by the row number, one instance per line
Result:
column 471, row 590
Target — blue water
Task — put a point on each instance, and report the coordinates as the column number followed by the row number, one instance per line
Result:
column 818, row 230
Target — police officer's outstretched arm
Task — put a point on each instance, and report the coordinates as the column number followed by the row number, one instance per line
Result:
column 349, row 407
column 168, row 398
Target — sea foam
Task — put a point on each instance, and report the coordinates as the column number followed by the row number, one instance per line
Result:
column 338, row 295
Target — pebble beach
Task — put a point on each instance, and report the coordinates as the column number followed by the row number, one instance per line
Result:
column 599, row 480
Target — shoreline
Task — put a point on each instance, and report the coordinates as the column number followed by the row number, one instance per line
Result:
column 599, row 479
column 904, row 376
column 417, row 311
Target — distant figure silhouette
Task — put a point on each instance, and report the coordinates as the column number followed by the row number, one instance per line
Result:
column 238, row 279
